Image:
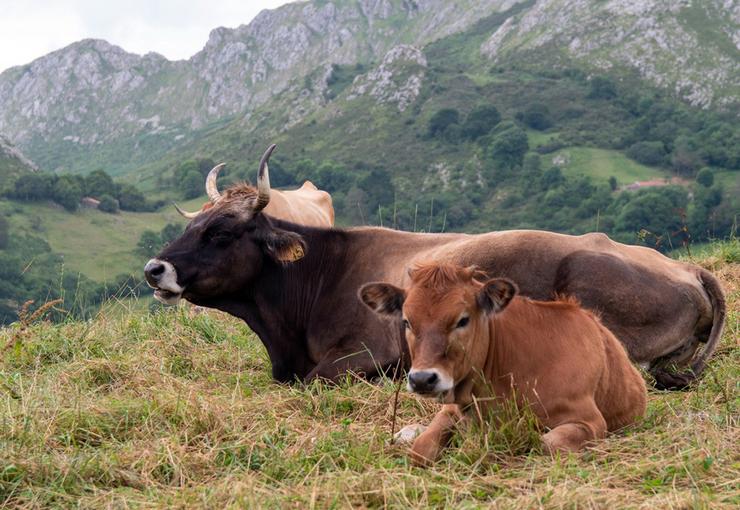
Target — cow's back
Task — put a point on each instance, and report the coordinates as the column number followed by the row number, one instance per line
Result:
column 306, row 205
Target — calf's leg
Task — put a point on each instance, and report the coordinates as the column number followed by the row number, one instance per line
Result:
column 576, row 430
column 429, row 444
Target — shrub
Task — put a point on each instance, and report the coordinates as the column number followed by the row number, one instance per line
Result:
column 647, row 153
column 441, row 120
column 480, row 121
column 705, row 177
column 509, row 146
column 537, row 116
column 108, row 204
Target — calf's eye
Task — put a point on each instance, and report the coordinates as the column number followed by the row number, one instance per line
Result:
column 462, row 322
column 406, row 324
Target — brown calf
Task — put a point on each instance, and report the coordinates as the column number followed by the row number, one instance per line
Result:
column 468, row 338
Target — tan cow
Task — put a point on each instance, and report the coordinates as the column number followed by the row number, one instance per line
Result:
column 306, row 205
column 468, row 337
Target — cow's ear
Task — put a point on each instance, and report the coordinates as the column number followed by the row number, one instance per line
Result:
column 283, row 246
column 496, row 294
column 383, row 298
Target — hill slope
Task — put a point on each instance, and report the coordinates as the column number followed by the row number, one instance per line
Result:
column 122, row 110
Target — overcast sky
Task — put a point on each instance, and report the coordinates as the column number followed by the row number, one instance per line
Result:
column 175, row 28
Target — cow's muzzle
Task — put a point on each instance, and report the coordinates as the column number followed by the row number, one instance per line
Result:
column 430, row 382
column 162, row 277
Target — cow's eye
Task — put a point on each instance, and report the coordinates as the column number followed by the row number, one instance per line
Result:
column 406, row 324
column 462, row 322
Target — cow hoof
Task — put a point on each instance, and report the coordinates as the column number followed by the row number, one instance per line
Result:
column 408, row 434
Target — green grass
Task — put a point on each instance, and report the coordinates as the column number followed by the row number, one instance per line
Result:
column 99, row 245
column 171, row 409
column 600, row 164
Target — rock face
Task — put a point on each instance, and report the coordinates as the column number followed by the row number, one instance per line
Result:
column 94, row 101
column 92, row 93
column 10, row 151
column 690, row 46
column 13, row 163
column 397, row 80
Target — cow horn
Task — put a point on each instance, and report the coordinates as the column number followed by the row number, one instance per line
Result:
column 263, row 180
column 211, row 188
column 188, row 215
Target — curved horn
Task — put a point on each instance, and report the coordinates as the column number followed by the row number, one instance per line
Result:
column 211, row 188
column 188, row 215
column 263, row 180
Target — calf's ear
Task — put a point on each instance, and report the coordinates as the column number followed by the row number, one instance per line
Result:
column 496, row 294
column 283, row 246
column 382, row 298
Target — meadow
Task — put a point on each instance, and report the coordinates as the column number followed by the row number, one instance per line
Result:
column 170, row 409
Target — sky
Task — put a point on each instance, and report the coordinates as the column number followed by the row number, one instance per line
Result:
column 176, row 29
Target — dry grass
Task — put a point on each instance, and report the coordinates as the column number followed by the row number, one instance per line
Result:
column 169, row 410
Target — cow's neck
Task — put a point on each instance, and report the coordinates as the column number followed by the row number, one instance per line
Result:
column 278, row 306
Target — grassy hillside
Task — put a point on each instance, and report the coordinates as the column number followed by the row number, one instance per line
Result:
column 99, row 245
column 169, row 409
column 600, row 164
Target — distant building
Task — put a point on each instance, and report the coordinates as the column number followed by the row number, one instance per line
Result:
column 90, row 203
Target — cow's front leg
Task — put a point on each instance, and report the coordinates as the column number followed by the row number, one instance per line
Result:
column 429, row 444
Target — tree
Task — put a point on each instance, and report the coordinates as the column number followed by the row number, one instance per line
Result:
column 4, row 233
column 191, row 184
column 647, row 153
column 613, row 183
column 602, row 88
column 509, row 146
column 532, row 165
column 551, row 178
column 205, row 165
column 705, row 177
column 99, row 183
column 685, row 161
column 378, row 189
column 149, row 243
column 657, row 210
column 131, row 199
column 33, row 186
column 441, row 120
column 108, row 204
column 169, row 233
column 67, row 193
column 480, row 121
column 331, row 177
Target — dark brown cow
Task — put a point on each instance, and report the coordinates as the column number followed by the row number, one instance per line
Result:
column 296, row 286
column 473, row 338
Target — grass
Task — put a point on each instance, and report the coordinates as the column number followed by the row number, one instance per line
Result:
column 97, row 244
column 171, row 409
column 600, row 164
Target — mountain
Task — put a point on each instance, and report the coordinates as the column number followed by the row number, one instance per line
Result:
column 93, row 105
column 691, row 46
column 68, row 107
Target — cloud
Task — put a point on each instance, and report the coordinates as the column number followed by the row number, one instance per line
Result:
column 177, row 29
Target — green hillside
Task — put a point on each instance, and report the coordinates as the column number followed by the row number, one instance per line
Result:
column 99, row 245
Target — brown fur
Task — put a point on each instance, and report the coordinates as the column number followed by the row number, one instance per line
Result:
column 554, row 356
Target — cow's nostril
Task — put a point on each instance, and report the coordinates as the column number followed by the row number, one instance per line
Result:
column 432, row 379
column 153, row 271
